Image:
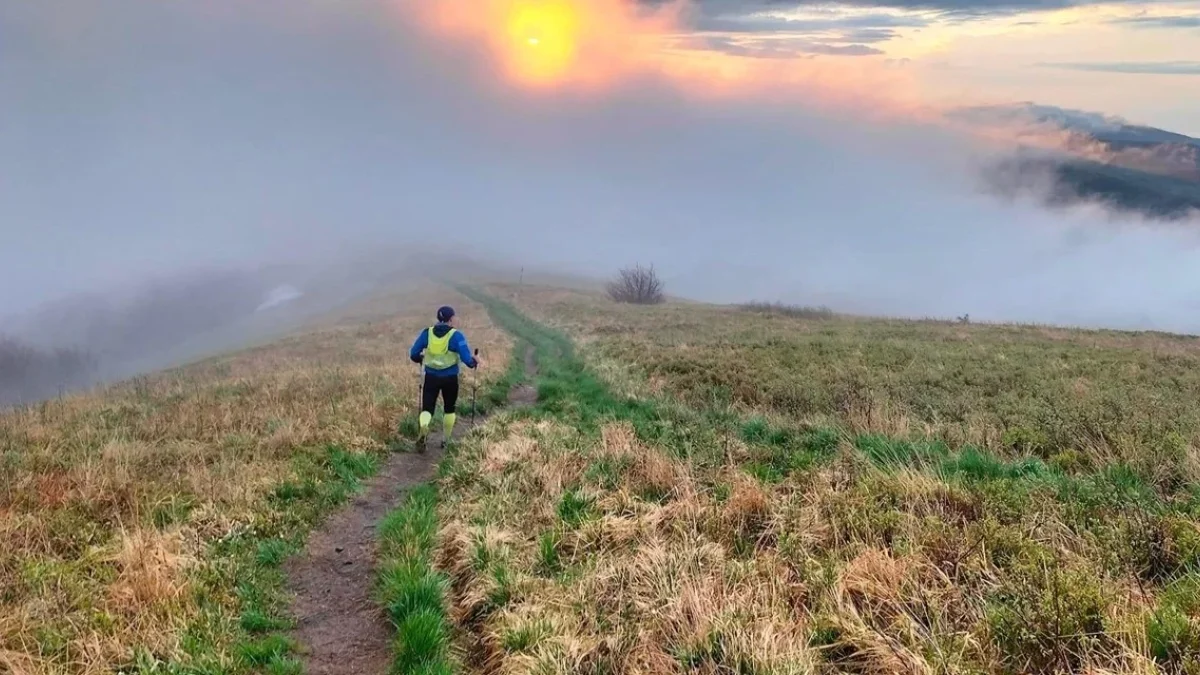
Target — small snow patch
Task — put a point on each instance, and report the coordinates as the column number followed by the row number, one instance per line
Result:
column 279, row 296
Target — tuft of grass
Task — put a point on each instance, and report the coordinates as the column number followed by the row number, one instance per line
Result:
column 1174, row 638
column 284, row 666
column 272, row 552
column 422, row 642
column 549, row 558
column 410, row 586
column 264, row 650
column 350, row 467
column 172, row 510
column 411, row 529
column 409, row 427
column 606, row 472
column 256, row 620
column 574, row 508
column 524, row 638
column 503, row 588
column 411, row 590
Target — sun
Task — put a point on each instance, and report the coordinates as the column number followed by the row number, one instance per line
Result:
column 556, row 44
column 543, row 40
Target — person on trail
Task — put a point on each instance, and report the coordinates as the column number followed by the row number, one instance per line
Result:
column 440, row 348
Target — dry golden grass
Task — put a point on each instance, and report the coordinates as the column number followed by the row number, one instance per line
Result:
column 669, row 568
column 632, row 528
column 646, row 586
column 110, row 501
column 1077, row 398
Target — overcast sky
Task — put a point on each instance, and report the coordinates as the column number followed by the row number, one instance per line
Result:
column 785, row 155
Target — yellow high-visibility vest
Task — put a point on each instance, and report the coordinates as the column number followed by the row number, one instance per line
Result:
column 438, row 355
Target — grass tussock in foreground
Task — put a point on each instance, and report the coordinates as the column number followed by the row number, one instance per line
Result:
column 411, row 591
column 603, row 533
column 142, row 528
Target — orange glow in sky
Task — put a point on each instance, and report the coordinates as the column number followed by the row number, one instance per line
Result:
column 546, row 43
column 595, row 45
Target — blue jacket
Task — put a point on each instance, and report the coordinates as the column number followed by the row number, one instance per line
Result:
column 458, row 343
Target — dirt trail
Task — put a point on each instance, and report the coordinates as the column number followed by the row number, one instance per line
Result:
column 339, row 626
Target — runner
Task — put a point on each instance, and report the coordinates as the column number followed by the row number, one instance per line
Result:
column 441, row 348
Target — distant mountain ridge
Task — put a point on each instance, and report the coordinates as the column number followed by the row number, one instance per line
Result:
column 1128, row 167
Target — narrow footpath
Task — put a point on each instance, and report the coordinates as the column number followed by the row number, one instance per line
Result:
column 340, row 628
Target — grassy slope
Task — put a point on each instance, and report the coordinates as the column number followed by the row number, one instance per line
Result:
column 889, row 498
column 1070, row 397
column 142, row 527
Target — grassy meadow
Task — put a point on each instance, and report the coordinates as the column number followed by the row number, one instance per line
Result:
column 763, row 490
column 142, row 526
column 1075, row 399
column 714, row 490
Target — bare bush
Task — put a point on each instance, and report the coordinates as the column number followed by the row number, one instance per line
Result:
column 637, row 285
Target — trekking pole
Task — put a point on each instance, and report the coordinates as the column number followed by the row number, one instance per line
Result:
column 474, row 386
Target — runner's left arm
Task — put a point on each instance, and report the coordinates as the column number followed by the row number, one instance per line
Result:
column 464, row 351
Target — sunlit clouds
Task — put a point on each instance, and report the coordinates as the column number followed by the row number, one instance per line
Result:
column 593, row 46
column 880, row 59
column 554, row 43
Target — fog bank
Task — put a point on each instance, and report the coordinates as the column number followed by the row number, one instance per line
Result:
column 147, row 137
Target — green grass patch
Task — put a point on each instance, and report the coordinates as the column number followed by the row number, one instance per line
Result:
column 264, row 650
column 255, row 620
column 411, row 590
column 172, row 510
column 524, row 638
column 272, row 552
column 549, row 558
column 240, row 587
column 284, row 665
column 574, row 508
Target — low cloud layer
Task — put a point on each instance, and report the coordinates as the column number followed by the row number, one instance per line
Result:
column 786, row 48
column 1160, row 21
column 1191, row 68
column 759, row 23
column 744, row 7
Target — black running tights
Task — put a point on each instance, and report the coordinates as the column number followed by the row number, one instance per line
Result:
column 435, row 385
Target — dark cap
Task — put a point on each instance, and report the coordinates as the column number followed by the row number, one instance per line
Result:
column 445, row 313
